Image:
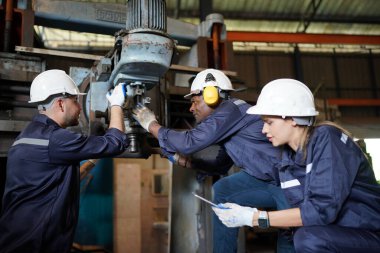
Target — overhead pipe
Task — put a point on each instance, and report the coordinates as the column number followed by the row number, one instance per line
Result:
column 307, row 38
column 353, row 101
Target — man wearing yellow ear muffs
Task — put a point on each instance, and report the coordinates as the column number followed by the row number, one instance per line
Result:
column 213, row 91
column 223, row 120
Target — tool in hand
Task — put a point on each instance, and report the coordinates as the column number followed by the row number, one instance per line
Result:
column 209, row 202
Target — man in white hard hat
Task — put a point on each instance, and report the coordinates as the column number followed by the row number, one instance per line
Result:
column 223, row 120
column 41, row 197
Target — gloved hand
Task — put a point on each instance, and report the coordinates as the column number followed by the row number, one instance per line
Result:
column 144, row 116
column 180, row 160
column 236, row 215
column 117, row 97
column 174, row 158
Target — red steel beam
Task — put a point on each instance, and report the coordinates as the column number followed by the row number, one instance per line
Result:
column 302, row 38
column 353, row 101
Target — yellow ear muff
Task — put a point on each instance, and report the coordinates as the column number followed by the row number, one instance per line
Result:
column 211, row 95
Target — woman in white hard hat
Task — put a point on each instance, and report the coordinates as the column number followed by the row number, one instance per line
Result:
column 324, row 174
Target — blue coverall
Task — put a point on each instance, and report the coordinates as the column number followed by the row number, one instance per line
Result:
column 337, row 194
column 256, row 183
column 41, row 197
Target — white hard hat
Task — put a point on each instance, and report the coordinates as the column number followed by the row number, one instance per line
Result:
column 202, row 80
column 52, row 82
column 285, row 97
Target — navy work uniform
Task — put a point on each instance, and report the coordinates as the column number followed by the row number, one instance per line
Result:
column 241, row 136
column 337, row 193
column 41, row 197
column 239, row 133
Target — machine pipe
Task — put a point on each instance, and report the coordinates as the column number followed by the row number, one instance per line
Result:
column 8, row 24
column 6, row 102
column 15, row 89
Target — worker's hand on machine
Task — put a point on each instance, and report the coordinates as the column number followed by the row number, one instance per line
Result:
column 117, row 97
column 235, row 215
column 173, row 158
column 180, row 160
column 144, row 116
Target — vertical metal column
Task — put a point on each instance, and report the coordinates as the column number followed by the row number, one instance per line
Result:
column 8, row 24
column 216, row 31
column 257, row 69
column 205, row 8
column 298, row 64
column 372, row 76
column 336, row 74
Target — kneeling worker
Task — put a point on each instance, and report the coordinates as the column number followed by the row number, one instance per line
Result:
column 223, row 120
column 327, row 179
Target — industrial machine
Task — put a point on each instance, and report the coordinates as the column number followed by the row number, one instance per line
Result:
column 141, row 56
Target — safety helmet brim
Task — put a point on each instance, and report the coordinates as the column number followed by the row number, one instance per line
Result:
column 39, row 101
column 200, row 82
column 198, row 92
column 257, row 110
column 286, row 98
column 192, row 93
column 51, row 83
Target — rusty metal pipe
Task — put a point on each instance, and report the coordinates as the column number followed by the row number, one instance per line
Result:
column 216, row 30
column 275, row 37
column 8, row 24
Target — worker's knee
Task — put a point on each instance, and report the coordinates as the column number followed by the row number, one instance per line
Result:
column 308, row 239
column 217, row 187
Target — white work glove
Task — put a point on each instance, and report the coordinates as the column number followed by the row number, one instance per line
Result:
column 235, row 215
column 117, row 97
column 174, row 159
column 180, row 160
column 144, row 116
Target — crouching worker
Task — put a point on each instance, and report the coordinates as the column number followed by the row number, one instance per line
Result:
column 223, row 120
column 41, row 197
column 334, row 194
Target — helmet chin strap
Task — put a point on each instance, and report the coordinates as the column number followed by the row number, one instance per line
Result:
column 304, row 121
column 224, row 94
column 44, row 107
column 49, row 102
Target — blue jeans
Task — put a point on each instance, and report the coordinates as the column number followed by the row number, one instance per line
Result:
column 332, row 238
column 246, row 190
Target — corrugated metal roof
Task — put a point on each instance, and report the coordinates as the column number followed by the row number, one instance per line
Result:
column 352, row 17
column 327, row 16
